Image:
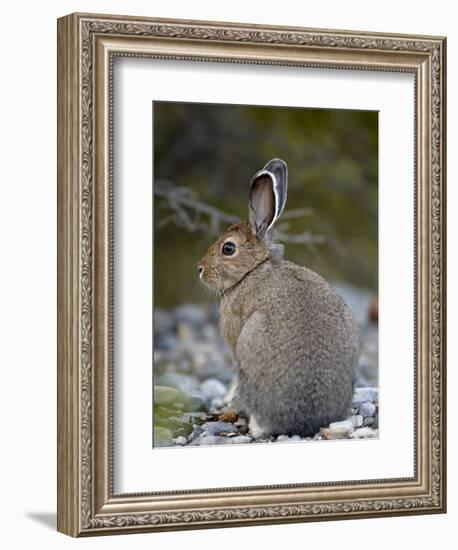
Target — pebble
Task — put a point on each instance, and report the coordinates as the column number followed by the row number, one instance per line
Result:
column 181, row 382
column 216, row 428
column 370, row 421
column 295, row 438
column 364, row 433
column 196, row 401
column 365, row 394
column 283, row 438
column 193, row 417
column 216, row 403
column 338, row 430
column 163, row 395
column 190, row 314
column 166, row 342
column 209, row 332
column 213, row 388
column 343, row 425
column 162, row 322
column 367, row 409
column 181, row 440
column 357, row 420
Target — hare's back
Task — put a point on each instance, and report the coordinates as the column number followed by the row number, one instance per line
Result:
column 305, row 310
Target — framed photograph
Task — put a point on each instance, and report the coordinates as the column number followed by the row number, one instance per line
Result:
column 251, row 277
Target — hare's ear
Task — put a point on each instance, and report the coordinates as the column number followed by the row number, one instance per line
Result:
column 267, row 196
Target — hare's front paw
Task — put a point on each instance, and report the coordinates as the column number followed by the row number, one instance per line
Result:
column 256, row 430
column 230, row 394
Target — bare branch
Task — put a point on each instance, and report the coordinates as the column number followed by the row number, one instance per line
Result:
column 189, row 212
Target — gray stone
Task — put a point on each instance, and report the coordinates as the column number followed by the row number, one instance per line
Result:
column 210, row 363
column 295, row 438
column 362, row 395
column 191, row 314
column 364, row 433
column 166, row 342
column 198, row 360
column 216, row 428
column 212, row 388
column 210, row 440
column 193, row 417
column 209, row 332
column 357, row 420
column 216, row 403
column 367, row 409
column 241, row 422
column 362, row 382
column 181, row 440
column 181, row 382
column 283, row 438
column 196, row 401
column 162, row 322
column 196, row 432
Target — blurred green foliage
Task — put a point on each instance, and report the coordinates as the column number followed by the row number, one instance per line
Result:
column 332, row 158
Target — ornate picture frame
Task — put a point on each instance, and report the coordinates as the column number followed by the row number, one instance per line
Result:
column 87, row 46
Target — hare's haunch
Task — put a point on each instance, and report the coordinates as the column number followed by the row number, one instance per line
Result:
column 294, row 339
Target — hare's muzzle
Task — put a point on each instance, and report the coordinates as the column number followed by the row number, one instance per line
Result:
column 200, row 270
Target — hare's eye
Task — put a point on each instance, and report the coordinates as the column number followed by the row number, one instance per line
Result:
column 228, row 248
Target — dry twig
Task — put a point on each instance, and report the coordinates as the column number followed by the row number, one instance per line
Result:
column 188, row 211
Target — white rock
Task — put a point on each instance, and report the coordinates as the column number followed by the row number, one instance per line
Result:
column 343, row 425
column 216, row 403
column 364, row 433
column 365, row 394
column 191, row 314
column 213, row 388
column 295, row 438
column 338, row 430
column 181, row 440
column 282, row 438
column 367, row 409
column 357, row 420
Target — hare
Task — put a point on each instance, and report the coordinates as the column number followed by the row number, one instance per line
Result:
column 294, row 339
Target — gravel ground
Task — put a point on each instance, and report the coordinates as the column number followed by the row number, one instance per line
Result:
column 192, row 374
